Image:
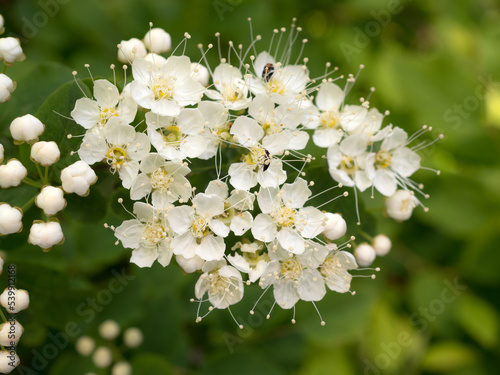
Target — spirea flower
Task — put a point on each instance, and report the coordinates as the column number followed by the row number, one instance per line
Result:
column 50, row 200
column 10, row 219
column 46, row 234
column 45, row 153
column 12, row 173
column 77, row 178
column 26, row 128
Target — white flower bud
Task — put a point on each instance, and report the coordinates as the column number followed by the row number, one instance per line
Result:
column 51, row 200
column 158, row 40
column 109, row 330
column 10, row 219
column 45, row 153
column 200, row 74
column 2, row 29
column 1, row 264
column 26, row 128
column 12, row 173
column 400, row 205
column 2, row 153
column 157, row 60
column 8, row 361
column 46, row 235
column 77, row 178
column 190, row 265
column 130, row 49
column 11, row 51
column 335, row 226
column 7, row 87
column 10, row 333
column 382, row 244
column 19, row 300
column 85, row 346
column 121, row 368
column 102, row 357
column 133, row 337
column 364, row 254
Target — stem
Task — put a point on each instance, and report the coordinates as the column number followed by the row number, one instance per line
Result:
column 40, row 173
column 365, row 235
column 3, row 316
column 28, row 204
column 30, row 182
column 46, row 176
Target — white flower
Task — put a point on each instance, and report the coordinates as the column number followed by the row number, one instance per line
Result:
column 121, row 368
column 200, row 73
column 121, row 147
column 148, row 235
column 281, row 83
column 335, row 226
column 85, row 346
column 334, row 270
column 10, row 219
column 258, row 165
column 365, row 254
column 382, row 244
column 217, row 126
column 11, row 51
column 14, row 300
column 45, row 153
column 50, row 200
column 165, row 90
column 46, row 235
column 165, row 180
column 133, row 337
column 12, row 173
column 7, row 87
column 10, row 333
column 295, row 277
column 198, row 230
column 177, row 138
column 158, row 40
column 251, row 261
column 223, row 284
column 231, row 89
column 400, row 205
column 108, row 103
column 393, row 163
column 102, row 357
column 353, row 117
column 26, row 128
column 129, row 50
column 284, row 218
column 346, row 162
column 109, row 329
column 77, row 178
column 8, row 361
column 326, row 123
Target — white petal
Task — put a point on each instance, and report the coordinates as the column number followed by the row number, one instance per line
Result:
column 164, row 253
column 268, row 200
column 247, row 131
column 184, row 245
column 396, row 138
column 219, row 188
column 311, row 222
column 311, row 286
column 291, row 241
column 211, row 248
column 129, row 233
column 385, row 182
column 405, row 161
column 285, row 293
column 209, row 205
column 242, row 176
column 263, row 228
column 297, row 193
column 219, row 228
column 273, row 176
column 143, row 211
column 86, row 113
column 241, row 222
column 180, row 218
column 144, row 256
column 354, row 145
column 330, row 97
column 106, row 93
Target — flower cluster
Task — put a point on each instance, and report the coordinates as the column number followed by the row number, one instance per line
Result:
column 252, row 220
column 107, row 354
column 75, row 178
column 13, row 301
column 10, row 52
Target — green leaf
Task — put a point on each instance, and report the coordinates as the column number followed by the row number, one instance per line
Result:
column 479, row 319
column 321, row 361
column 446, row 356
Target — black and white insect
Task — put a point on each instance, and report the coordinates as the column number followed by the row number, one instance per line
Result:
column 267, row 160
column 268, row 72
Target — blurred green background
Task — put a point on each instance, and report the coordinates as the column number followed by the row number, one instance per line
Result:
column 433, row 309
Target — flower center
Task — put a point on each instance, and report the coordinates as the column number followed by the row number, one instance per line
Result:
column 275, row 86
column 347, row 164
column 106, row 113
column 172, row 135
column 329, row 266
column 161, row 180
column 284, row 216
column 116, row 157
column 258, row 156
column 291, row 269
column 200, row 226
column 329, row 119
column 153, row 233
column 232, row 93
column 163, row 87
column 272, row 128
column 383, row 159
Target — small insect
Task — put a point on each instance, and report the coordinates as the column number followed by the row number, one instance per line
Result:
column 267, row 160
column 268, row 72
